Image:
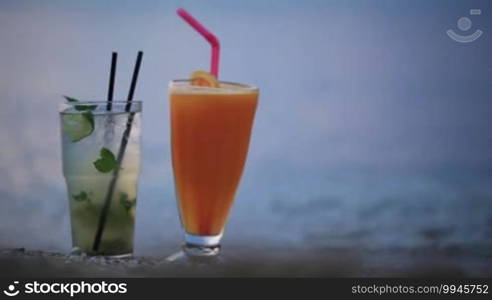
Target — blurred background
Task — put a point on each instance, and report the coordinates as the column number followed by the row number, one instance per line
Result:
column 373, row 130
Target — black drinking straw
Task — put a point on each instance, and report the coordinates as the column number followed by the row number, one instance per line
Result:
column 114, row 58
column 134, row 81
column 121, row 153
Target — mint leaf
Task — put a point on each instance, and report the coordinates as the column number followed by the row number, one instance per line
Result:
column 80, row 107
column 107, row 162
column 70, row 99
column 125, row 202
column 82, row 196
column 107, row 154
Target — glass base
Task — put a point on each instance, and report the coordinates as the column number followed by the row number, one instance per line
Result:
column 198, row 250
column 201, row 251
column 196, row 258
column 202, row 245
column 117, row 256
column 203, row 240
column 77, row 251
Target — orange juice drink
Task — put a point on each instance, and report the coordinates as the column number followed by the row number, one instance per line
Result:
column 210, row 133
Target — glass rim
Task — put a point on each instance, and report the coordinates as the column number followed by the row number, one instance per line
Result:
column 118, row 102
column 242, row 85
column 119, row 106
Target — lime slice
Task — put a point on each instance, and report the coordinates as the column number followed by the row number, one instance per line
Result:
column 78, row 126
column 203, row 78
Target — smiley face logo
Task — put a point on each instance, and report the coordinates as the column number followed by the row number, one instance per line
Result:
column 11, row 291
column 464, row 24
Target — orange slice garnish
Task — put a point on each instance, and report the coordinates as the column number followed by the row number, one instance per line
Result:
column 203, row 78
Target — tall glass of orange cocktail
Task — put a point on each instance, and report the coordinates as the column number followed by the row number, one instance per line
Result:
column 211, row 125
column 210, row 133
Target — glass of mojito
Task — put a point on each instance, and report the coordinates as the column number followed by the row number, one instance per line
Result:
column 101, row 166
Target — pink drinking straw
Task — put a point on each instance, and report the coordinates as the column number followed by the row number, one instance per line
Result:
column 210, row 37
